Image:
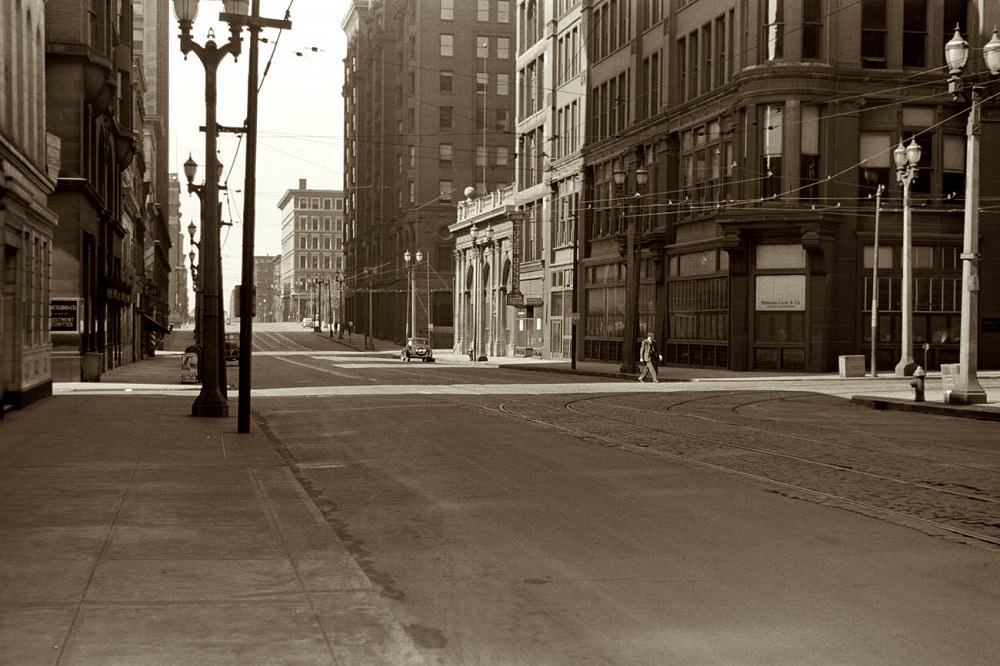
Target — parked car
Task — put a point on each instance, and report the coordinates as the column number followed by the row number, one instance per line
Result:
column 417, row 348
column 307, row 322
column 232, row 347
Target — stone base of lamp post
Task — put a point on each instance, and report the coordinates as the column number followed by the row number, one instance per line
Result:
column 906, row 367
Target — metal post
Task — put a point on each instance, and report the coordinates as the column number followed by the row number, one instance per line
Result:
column 631, row 296
column 967, row 389
column 907, row 173
column 371, row 333
column 874, row 352
column 249, row 219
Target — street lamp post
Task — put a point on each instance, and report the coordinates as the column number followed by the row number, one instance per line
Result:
column 191, row 229
column 907, row 158
column 967, row 389
column 340, row 305
column 631, row 331
column 411, row 262
column 211, row 401
column 196, row 287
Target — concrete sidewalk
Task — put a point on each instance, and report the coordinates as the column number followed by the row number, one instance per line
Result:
column 132, row 533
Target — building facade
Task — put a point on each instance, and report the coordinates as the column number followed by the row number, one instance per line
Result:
column 312, row 253
column 111, row 258
column 178, row 289
column 429, row 110
column 743, row 142
column 29, row 166
column 267, row 281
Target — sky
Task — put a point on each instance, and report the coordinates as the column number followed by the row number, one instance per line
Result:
column 300, row 117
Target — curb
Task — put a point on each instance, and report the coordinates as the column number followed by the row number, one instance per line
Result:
column 582, row 373
column 963, row 411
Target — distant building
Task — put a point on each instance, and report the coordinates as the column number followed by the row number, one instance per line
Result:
column 312, row 253
column 29, row 165
column 267, row 282
column 179, row 307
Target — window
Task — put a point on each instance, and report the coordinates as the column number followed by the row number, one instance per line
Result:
column 483, row 11
column 444, row 117
column 502, row 120
column 447, row 10
column 326, row 204
column 812, row 29
column 809, row 165
column 953, row 176
column 482, row 47
column 339, row 204
column 445, row 188
column 482, row 83
column 503, row 156
column 480, row 156
column 446, row 81
column 873, row 27
column 503, row 11
column 445, row 151
column 914, row 33
column 412, row 153
column 771, row 154
column 447, row 45
column 875, row 150
column 503, row 84
column 503, row 48
column 774, row 29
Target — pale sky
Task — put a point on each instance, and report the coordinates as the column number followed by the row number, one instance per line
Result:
column 300, row 118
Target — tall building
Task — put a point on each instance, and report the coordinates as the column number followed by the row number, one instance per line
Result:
column 429, row 108
column 743, row 142
column 312, row 253
column 29, row 166
column 90, row 107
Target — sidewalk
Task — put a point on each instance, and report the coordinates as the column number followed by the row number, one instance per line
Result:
column 132, row 533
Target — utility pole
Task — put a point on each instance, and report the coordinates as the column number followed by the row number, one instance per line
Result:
column 255, row 23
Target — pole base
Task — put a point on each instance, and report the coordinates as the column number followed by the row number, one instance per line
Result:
column 209, row 407
column 970, row 394
column 905, row 367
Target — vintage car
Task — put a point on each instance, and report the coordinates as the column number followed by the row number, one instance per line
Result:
column 232, row 351
column 307, row 322
column 417, row 348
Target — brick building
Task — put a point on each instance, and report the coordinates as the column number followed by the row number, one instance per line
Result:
column 429, row 111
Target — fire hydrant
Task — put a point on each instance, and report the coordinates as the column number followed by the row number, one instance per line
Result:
column 918, row 384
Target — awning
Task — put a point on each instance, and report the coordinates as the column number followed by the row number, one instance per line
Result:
column 153, row 325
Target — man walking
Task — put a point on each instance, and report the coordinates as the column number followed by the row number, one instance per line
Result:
column 650, row 357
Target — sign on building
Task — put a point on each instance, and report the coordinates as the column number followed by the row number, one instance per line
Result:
column 65, row 315
column 781, row 293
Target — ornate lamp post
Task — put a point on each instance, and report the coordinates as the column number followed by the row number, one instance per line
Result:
column 191, row 229
column 907, row 158
column 631, row 332
column 211, row 401
column 967, row 389
column 339, row 279
column 411, row 324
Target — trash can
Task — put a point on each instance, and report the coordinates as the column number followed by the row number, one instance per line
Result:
column 191, row 365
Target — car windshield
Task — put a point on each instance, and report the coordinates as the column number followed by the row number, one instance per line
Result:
column 418, row 341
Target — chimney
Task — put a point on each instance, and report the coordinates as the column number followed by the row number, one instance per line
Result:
column 302, row 183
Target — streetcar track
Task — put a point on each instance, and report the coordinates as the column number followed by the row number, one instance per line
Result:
column 906, row 518
column 778, row 454
column 795, row 396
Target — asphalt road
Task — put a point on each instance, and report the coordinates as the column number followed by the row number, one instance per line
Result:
column 673, row 528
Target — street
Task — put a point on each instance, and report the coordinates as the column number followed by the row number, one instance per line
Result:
column 673, row 527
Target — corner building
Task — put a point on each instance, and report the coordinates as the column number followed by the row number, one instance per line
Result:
column 429, row 112
column 765, row 128
column 312, row 255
